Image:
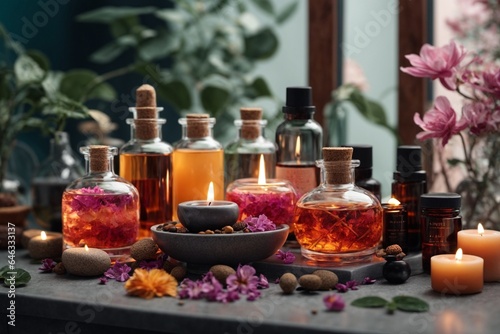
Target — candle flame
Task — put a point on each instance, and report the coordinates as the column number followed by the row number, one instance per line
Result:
column 262, row 171
column 480, row 229
column 459, row 254
column 86, row 248
column 210, row 193
column 393, row 201
column 43, row 235
column 297, row 149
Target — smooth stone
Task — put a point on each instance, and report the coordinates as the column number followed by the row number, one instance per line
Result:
column 144, row 249
column 81, row 262
column 198, row 216
column 50, row 248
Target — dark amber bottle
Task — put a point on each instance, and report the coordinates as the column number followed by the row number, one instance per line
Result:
column 441, row 221
column 410, row 182
column 363, row 174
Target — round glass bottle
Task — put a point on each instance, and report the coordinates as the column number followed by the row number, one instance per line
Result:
column 299, row 138
column 242, row 155
column 338, row 222
column 101, row 209
column 53, row 176
column 145, row 161
column 197, row 160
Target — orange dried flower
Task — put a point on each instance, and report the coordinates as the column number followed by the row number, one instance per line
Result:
column 148, row 284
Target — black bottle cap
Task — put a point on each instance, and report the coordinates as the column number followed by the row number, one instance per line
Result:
column 298, row 101
column 409, row 159
column 440, row 200
column 363, row 153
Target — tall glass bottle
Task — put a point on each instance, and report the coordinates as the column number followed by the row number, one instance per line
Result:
column 53, row 176
column 145, row 161
column 338, row 222
column 101, row 209
column 242, row 155
column 363, row 173
column 300, row 139
column 197, row 160
column 410, row 182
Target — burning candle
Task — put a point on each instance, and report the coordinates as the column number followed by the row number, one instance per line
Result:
column 84, row 261
column 458, row 274
column 199, row 216
column 395, row 224
column 46, row 246
column 274, row 198
column 485, row 244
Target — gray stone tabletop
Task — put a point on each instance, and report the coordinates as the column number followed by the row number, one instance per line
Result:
column 65, row 304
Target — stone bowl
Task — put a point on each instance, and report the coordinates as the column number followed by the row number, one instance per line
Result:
column 231, row 249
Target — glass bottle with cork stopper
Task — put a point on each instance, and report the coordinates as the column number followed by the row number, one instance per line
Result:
column 338, row 222
column 242, row 155
column 300, row 139
column 440, row 221
column 145, row 161
column 198, row 159
column 101, row 209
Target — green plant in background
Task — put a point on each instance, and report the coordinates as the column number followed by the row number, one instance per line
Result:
column 211, row 46
column 371, row 110
column 34, row 97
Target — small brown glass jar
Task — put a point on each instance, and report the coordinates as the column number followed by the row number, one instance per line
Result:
column 440, row 221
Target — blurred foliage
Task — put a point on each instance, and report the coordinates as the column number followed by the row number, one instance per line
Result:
column 211, row 47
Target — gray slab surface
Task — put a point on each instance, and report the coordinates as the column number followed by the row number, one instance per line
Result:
column 65, row 304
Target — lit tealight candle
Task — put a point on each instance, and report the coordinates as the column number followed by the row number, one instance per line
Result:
column 395, row 224
column 485, row 244
column 273, row 198
column 199, row 216
column 46, row 246
column 84, row 261
column 458, row 274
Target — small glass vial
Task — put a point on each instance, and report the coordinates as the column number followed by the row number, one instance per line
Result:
column 441, row 221
column 410, row 182
column 395, row 225
column 198, row 159
column 338, row 222
column 300, row 139
column 60, row 169
column 363, row 174
column 241, row 156
column 101, row 209
column 145, row 161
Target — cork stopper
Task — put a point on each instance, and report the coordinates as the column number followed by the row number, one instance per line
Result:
column 251, row 114
column 145, row 96
column 99, row 158
column 146, row 128
column 197, row 125
column 337, row 162
column 146, row 112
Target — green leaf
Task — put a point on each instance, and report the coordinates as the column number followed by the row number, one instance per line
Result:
column 261, row 45
column 159, row 47
column 265, row 5
column 123, row 26
column 109, row 14
column 410, row 304
column 5, row 268
column 17, row 276
column 370, row 302
column 80, row 84
column 215, row 94
column 455, row 162
column 258, row 88
column 287, row 12
column 174, row 17
column 108, row 52
column 39, row 58
column 176, row 93
column 27, row 70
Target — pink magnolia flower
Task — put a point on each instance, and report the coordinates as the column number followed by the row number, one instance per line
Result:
column 491, row 81
column 437, row 63
column 481, row 118
column 439, row 122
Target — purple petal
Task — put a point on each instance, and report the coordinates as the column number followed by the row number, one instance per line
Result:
column 341, row 287
column 334, row 302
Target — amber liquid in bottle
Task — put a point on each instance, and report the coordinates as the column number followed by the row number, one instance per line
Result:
column 150, row 174
column 193, row 170
column 338, row 228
